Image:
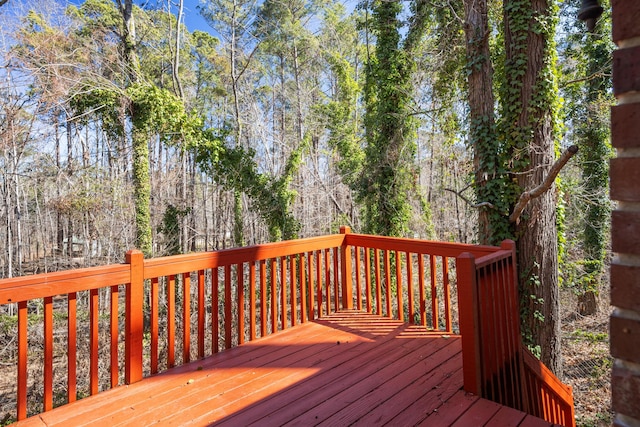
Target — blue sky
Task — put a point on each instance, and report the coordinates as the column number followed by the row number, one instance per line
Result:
column 192, row 18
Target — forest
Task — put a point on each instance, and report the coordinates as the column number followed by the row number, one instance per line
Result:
column 470, row 121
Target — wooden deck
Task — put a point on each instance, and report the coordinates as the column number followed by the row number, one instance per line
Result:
column 346, row 369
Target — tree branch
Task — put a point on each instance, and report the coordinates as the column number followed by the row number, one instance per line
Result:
column 526, row 196
column 469, row 202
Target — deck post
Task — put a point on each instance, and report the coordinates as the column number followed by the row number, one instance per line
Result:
column 346, row 271
column 469, row 322
column 134, row 318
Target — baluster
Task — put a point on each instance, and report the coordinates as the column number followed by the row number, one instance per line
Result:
column 310, row 285
column 71, row 347
column 358, row 284
column 283, row 292
column 240, row 296
column 421, row 290
column 319, row 282
column 227, row 307
column 376, row 261
column 48, row 354
column 155, row 316
column 336, row 296
column 263, row 298
column 215, row 306
column 399, row 288
column 186, row 317
column 93, row 341
column 435, row 318
column 252, row 301
column 303, row 289
column 447, row 293
column 410, row 299
column 274, row 293
column 201, row 313
column 113, row 330
column 327, row 282
column 387, row 277
column 171, row 321
column 367, row 278
column 22, row 360
column 292, row 292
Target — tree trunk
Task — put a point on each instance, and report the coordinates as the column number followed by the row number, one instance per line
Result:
column 70, row 226
column 140, row 163
column 587, row 303
column 59, row 226
column 481, row 112
column 529, row 32
column 594, row 138
column 142, row 192
column 129, row 40
column 191, row 228
column 176, row 55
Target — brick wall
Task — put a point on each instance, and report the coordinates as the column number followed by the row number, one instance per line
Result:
column 625, row 220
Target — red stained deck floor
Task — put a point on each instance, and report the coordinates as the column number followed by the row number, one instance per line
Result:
column 346, row 369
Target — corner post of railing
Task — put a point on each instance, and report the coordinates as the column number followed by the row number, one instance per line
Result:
column 134, row 317
column 469, row 324
column 346, row 271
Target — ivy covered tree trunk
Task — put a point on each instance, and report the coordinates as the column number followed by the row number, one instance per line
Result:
column 529, row 105
column 596, row 151
column 140, row 166
column 492, row 223
column 142, row 192
column 389, row 165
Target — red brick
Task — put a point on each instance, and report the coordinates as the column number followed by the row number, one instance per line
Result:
column 625, row 125
column 626, row 70
column 625, row 17
column 625, row 286
column 625, row 176
column 625, row 390
column 625, row 232
column 625, row 338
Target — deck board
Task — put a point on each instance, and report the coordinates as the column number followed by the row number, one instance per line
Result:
column 345, row 369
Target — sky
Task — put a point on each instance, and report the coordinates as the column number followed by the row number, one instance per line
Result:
column 192, row 18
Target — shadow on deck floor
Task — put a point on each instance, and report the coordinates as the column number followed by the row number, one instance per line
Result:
column 345, row 369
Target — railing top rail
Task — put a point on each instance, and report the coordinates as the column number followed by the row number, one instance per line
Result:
column 50, row 284
column 61, row 282
column 418, row 246
column 535, row 366
column 177, row 264
column 492, row 258
column 506, row 250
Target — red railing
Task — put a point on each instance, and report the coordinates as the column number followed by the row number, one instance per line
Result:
column 415, row 275
column 547, row 396
column 496, row 365
column 146, row 316
column 152, row 308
